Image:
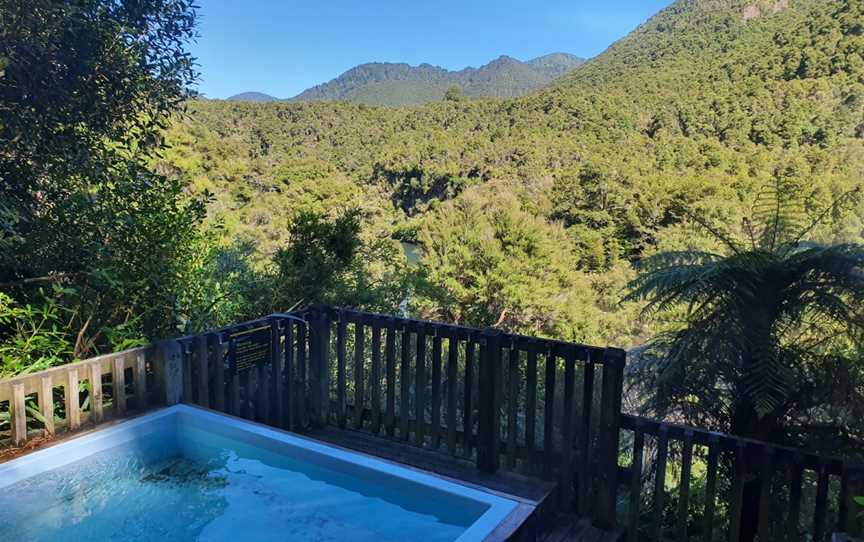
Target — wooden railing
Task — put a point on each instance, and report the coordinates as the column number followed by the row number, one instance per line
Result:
column 541, row 407
column 80, row 394
column 745, row 488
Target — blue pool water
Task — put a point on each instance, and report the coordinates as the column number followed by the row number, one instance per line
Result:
column 184, row 478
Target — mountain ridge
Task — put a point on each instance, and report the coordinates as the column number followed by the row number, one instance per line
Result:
column 399, row 83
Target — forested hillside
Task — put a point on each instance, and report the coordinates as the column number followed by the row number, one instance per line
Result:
column 699, row 107
column 387, row 83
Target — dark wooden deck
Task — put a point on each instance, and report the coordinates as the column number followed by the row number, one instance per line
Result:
column 535, row 518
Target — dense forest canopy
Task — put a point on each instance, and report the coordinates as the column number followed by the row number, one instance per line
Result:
column 132, row 210
column 701, row 106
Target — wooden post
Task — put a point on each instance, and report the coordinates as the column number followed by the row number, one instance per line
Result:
column 19, row 414
column 96, row 411
column 169, row 371
column 141, row 380
column 46, row 403
column 118, row 379
column 489, row 393
column 319, row 365
column 607, row 439
column 276, row 382
column 73, row 407
column 202, row 353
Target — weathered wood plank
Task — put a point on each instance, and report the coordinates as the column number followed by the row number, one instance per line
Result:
column 140, row 381
column 96, row 397
column 796, row 479
column 118, row 378
column 512, row 405
column 711, row 490
column 468, row 401
column 435, row 433
column 289, row 377
column 73, row 404
column 187, row 374
column 46, row 400
column 660, row 481
column 736, row 499
column 375, row 381
column 19, row 414
column 549, row 413
column 277, row 384
column 584, row 463
column 684, row 487
column 390, row 362
column 567, row 422
column 420, row 387
column 302, row 346
column 359, row 373
column 821, row 510
column 404, row 384
column 452, row 391
column 635, row 485
column 202, row 357
column 219, row 351
column 531, row 406
column 341, row 401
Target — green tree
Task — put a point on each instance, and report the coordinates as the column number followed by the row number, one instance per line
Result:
column 86, row 89
column 454, row 94
column 488, row 262
column 771, row 328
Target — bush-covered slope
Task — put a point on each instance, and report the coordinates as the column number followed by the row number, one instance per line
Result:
column 702, row 105
column 382, row 83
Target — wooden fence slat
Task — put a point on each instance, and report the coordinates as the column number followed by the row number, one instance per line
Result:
column 549, row 415
column 405, row 384
column 46, row 400
column 247, row 404
column 341, row 370
column 375, row 381
column 262, row 392
column 140, row 382
column 359, row 358
column 711, row 489
column 660, row 481
column 73, row 404
column 420, row 388
column 277, row 384
column 202, row 357
column 821, row 510
column 96, row 397
column 19, row 414
column 234, row 385
column 635, row 485
column 489, row 401
column 219, row 351
column 736, row 499
column 765, row 476
column 187, row 375
column 452, row 390
column 584, row 464
column 289, row 377
column 468, row 401
column 684, row 486
column 118, row 379
column 568, row 422
column 435, row 432
column 796, row 479
column 531, row 407
column 390, row 362
column 512, row 405
column 300, row 392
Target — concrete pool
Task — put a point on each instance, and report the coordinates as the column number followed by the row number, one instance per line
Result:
column 184, row 473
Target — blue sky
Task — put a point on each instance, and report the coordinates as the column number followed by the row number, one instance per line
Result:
column 284, row 47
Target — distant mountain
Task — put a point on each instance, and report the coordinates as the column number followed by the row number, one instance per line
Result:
column 383, row 83
column 252, row 97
